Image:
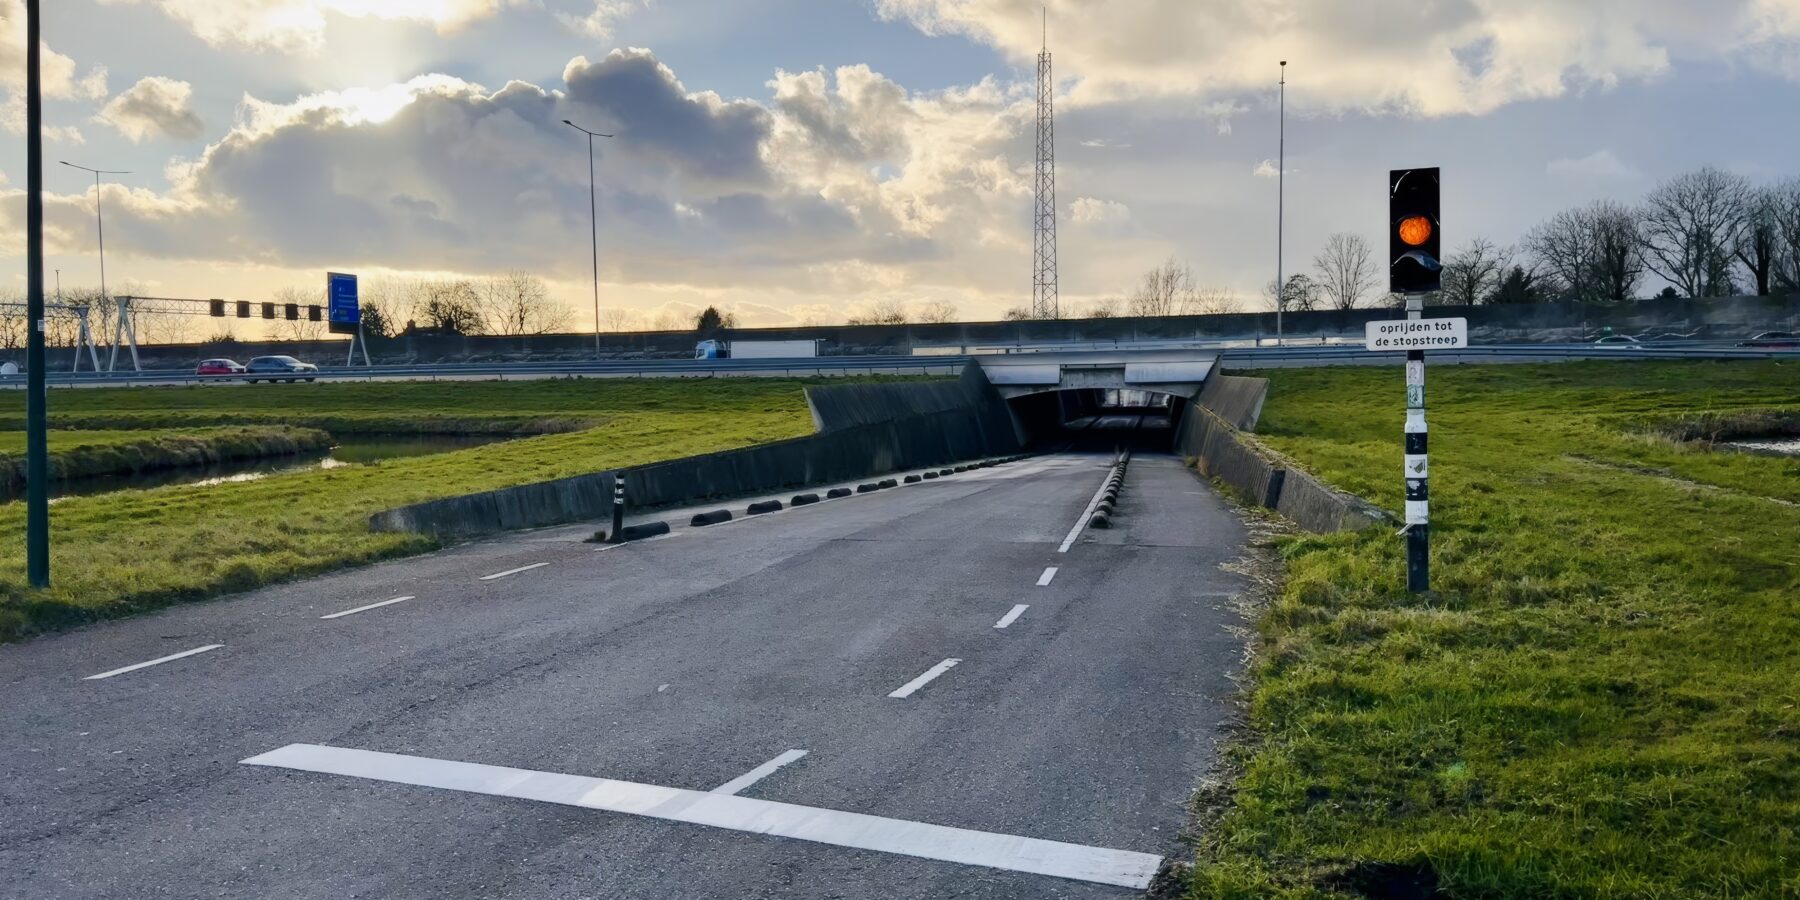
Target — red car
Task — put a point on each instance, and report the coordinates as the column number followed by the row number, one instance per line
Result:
column 218, row 367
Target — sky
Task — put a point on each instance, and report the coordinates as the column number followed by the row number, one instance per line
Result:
column 799, row 161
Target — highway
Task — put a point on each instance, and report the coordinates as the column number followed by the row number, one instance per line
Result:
column 903, row 694
column 1237, row 357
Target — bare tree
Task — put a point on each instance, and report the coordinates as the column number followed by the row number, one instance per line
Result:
column 519, row 303
column 450, row 306
column 667, row 319
column 1301, row 295
column 886, row 311
column 1473, row 273
column 937, row 312
column 1016, row 314
column 12, row 319
column 1786, row 209
column 302, row 328
column 618, row 319
column 1346, row 270
column 1691, row 224
column 1104, row 308
column 1164, row 290
column 1759, row 240
column 1594, row 254
column 1212, row 301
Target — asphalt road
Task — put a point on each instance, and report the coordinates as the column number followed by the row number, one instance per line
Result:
column 630, row 683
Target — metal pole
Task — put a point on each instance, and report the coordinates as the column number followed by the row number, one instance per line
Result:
column 594, row 241
column 37, row 444
column 1281, row 208
column 618, row 523
column 1418, row 470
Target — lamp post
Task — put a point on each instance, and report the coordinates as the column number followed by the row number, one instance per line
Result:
column 594, row 218
column 37, row 448
column 99, row 220
column 1281, row 207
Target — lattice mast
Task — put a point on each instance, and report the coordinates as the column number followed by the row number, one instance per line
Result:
column 1045, row 303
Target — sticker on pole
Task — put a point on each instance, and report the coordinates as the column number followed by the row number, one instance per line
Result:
column 1417, row 334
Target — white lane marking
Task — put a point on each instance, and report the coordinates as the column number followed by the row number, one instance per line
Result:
column 1044, row 579
column 352, row 612
column 738, row 784
column 648, row 540
column 1124, row 868
column 1086, row 514
column 513, row 571
column 155, row 662
column 1013, row 616
column 906, row 690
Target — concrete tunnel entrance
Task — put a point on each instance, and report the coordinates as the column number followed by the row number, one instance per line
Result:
column 1100, row 419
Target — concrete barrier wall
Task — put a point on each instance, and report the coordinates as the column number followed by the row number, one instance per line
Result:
column 1236, row 399
column 976, row 430
column 1223, row 452
column 849, row 405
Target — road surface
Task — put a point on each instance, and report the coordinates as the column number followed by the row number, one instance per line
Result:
column 896, row 695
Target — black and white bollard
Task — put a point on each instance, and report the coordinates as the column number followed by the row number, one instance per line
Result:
column 618, row 526
column 1418, row 469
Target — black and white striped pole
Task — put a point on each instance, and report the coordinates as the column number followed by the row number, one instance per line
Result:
column 1418, row 469
column 618, row 525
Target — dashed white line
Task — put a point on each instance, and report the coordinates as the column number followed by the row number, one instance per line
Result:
column 513, row 571
column 1013, row 616
column 906, row 690
column 155, row 662
column 352, row 612
column 1044, row 579
column 739, row 784
column 922, row 840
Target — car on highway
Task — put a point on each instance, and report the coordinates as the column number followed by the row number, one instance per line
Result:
column 219, row 367
column 1622, row 341
column 279, row 368
column 1774, row 340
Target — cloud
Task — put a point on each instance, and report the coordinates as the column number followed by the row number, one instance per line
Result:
column 1105, row 144
column 1391, row 56
column 841, row 184
column 602, row 21
column 299, row 25
column 58, row 76
column 154, row 107
column 1267, row 169
column 1104, row 214
column 1599, row 164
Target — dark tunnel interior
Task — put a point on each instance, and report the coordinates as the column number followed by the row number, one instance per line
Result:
column 1100, row 419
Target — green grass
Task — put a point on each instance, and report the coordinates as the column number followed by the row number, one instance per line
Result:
column 132, row 550
column 1602, row 696
column 82, row 454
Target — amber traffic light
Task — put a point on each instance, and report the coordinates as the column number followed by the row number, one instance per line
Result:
column 1414, row 239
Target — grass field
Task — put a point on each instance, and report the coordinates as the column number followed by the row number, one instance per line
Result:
column 1602, row 696
column 117, row 553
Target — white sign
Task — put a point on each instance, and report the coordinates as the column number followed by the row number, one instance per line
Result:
column 1417, row 334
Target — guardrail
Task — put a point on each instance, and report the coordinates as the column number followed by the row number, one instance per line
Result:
column 827, row 366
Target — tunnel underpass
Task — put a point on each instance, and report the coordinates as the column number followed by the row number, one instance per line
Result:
column 1099, row 419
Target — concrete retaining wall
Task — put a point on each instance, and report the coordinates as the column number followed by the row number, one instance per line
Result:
column 849, row 405
column 1223, row 452
column 1236, row 399
column 977, row 429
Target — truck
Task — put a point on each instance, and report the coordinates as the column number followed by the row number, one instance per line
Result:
column 715, row 349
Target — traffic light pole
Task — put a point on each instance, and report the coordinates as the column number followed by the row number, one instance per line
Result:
column 37, row 447
column 1418, row 470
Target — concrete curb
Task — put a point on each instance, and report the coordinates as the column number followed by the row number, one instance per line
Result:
column 887, row 483
column 764, row 507
column 932, row 475
column 867, row 488
column 804, row 500
column 838, row 493
column 716, row 517
column 643, row 530
column 1265, row 479
column 914, row 479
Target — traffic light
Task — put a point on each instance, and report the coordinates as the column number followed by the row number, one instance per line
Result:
column 1414, row 243
column 268, row 310
column 243, row 309
column 218, row 308
column 314, row 314
column 293, row 312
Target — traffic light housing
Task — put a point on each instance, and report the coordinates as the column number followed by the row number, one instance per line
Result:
column 268, row 310
column 218, row 308
column 243, row 309
column 293, row 312
column 314, row 313
column 1415, row 241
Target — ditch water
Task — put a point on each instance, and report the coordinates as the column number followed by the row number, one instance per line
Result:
column 354, row 450
column 1787, row 446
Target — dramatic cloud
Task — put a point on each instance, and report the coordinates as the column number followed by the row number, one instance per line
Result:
column 842, row 185
column 1393, row 56
column 154, row 107
column 58, row 74
column 600, row 22
column 1105, row 214
column 299, row 25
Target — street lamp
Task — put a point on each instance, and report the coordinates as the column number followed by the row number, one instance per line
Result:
column 1281, row 207
column 99, row 221
column 594, row 218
